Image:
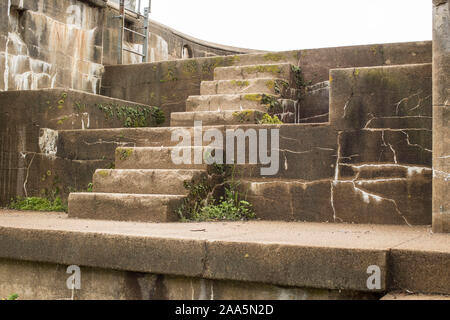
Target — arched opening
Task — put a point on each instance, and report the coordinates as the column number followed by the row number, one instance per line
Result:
column 186, row 53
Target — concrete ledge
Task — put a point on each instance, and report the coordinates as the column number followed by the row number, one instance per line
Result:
column 401, row 296
column 324, row 256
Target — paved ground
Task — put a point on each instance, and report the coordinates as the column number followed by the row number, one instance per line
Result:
column 305, row 234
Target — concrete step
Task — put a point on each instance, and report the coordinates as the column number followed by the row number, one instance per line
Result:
column 144, row 181
column 124, row 207
column 229, row 102
column 272, row 71
column 383, row 201
column 101, row 144
column 187, row 119
column 158, row 158
column 263, row 85
column 289, row 255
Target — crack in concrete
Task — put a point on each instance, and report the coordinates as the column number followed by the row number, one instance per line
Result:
column 368, row 195
column 399, row 103
column 28, row 173
column 373, row 118
column 415, row 144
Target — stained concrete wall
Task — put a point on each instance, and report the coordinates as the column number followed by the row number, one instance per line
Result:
column 51, row 44
column 65, row 43
column 441, row 117
column 49, row 283
column 169, row 84
column 29, row 160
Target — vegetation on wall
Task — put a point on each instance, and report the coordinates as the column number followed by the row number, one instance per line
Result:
column 134, row 116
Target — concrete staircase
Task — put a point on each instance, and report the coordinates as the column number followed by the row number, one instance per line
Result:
column 146, row 185
column 241, row 95
column 354, row 150
column 326, row 174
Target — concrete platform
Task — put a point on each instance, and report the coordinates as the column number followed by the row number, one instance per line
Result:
column 303, row 255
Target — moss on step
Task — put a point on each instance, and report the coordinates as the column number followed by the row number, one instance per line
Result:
column 273, row 57
column 123, row 153
column 104, row 173
column 253, row 97
column 264, row 69
column 240, row 83
column 244, row 116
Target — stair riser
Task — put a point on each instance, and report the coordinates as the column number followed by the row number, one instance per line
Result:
column 216, row 118
column 267, row 86
column 144, row 181
column 157, row 158
column 282, row 71
column 226, row 103
column 116, row 207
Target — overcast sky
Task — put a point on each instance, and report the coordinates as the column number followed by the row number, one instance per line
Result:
column 280, row 25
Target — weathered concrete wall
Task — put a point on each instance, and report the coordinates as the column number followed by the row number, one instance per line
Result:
column 29, row 160
column 49, row 44
column 52, row 44
column 441, row 116
column 169, row 84
column 44, row 281
column 383, row 119
column 163, row 84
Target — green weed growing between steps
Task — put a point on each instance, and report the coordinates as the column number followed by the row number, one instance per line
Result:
column 38, row 204
column 267, row 119
column 215, row 197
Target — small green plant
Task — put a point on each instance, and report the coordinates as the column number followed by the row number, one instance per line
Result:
column 267, row 119
column 299, row 79
column 215, row 197
column 272, row 104
column 14, row 296
column 90, row 187
column 38, row 204
column 230, row 207
column 123, row 154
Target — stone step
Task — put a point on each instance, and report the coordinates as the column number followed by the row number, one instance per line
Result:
column 159, row 158
column 124, row 207
column 187, row 119
column 144, row 181
column 229, row 102
column 101, row 144
column 376, row 201
column 287, row 255
column 263, row 85
column 272, row 71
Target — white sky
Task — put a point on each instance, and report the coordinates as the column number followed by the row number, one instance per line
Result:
column 279, row 25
